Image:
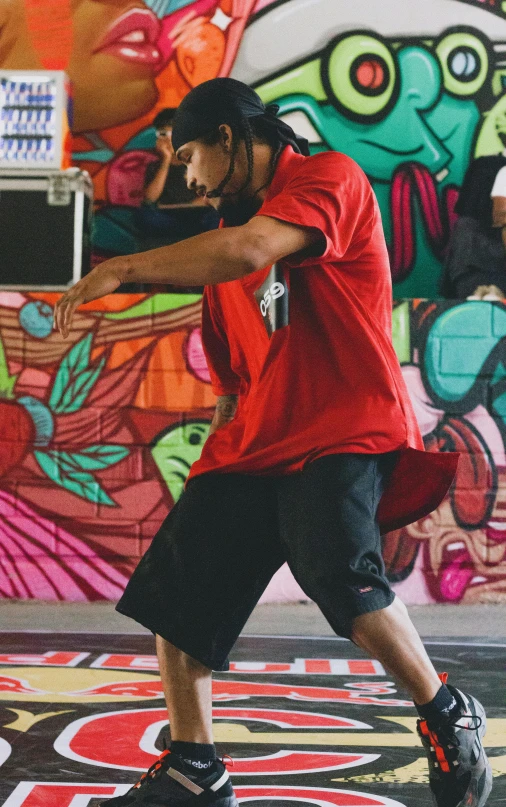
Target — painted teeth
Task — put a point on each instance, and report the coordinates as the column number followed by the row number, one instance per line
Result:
column 442, row 174
column 134, row 36
column 453, row 547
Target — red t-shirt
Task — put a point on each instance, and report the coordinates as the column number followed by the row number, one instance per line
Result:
column 307, row 345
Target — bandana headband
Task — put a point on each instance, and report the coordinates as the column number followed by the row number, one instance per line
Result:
column 226, row 100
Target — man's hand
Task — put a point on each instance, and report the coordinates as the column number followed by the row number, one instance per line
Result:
column 104, row 279
column 165, row 148
column 226, row 407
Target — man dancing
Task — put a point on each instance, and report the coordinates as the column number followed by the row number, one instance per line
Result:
column 314, row 448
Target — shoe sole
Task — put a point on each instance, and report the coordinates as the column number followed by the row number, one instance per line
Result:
column 229, row 801
column 226, row 801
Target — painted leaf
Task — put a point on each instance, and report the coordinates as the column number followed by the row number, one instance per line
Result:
column 49, row 465
column 65, row 462
column 86, row 486
column 98, row 457
column 73, row 390
column 76, row 393
column 75, row 378
column 93, row 458
column 76, row 360
column 62, row 469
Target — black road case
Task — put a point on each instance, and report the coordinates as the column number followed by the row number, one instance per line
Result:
column 45, row 224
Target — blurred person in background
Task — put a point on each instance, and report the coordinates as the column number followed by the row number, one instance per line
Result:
column 476, row 261
column 170, row 210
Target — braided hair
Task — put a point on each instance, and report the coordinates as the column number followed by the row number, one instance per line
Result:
column 247, row 130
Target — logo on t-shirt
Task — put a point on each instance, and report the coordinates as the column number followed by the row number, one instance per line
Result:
column 272, row 299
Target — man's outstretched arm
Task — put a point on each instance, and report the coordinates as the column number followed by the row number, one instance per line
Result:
column 213, row 257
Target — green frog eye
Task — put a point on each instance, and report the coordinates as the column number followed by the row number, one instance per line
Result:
column 360, row 75
column 464, row 61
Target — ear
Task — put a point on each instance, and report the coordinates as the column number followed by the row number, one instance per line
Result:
column 226, row 136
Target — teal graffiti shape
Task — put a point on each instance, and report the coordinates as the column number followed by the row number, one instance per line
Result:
column 459, row 343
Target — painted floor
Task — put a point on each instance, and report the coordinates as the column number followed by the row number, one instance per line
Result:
column 305, row 719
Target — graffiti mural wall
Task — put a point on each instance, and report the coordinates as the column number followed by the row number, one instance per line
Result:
column 411, row 90
column 98, row 434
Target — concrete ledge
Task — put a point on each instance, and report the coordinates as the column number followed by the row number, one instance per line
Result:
column 476, row 621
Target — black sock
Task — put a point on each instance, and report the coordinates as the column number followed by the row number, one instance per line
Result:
column 442, row 707
column 199, row 755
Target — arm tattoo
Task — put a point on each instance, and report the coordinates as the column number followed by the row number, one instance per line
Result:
column 226, row 406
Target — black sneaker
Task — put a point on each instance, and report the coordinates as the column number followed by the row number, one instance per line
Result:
column 459, row 771
column 171, row 781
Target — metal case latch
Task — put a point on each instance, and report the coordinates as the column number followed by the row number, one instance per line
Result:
column 59, row 193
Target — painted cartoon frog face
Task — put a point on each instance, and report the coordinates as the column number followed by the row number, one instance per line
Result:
column 402, row 99
column 388, row 103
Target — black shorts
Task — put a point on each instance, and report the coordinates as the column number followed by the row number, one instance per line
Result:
column 217, row 550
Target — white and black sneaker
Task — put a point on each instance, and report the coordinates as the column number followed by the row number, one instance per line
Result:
column 459, row 771
column 172, row 781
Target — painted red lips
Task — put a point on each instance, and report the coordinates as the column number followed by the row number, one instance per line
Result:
column 133, row 37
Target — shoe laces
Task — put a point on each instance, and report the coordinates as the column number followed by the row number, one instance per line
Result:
column 444, row 743
column 475, row 720
column 153, row 771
